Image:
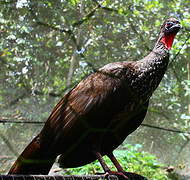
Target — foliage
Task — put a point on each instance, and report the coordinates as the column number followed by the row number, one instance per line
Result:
column 45, row 44
column 132, row 159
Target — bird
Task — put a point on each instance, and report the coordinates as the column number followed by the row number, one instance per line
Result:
column 96, row 116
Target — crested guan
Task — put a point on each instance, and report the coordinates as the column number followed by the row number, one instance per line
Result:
column 96, row 116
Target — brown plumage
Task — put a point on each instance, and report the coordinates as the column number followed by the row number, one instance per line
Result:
column 97, row 115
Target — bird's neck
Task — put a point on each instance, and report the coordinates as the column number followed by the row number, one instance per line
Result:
column 150, row 70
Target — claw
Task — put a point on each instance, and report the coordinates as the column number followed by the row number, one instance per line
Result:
column 121, row 175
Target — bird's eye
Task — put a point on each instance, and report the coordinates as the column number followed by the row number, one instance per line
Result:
column 177, row 22
column 168, row 24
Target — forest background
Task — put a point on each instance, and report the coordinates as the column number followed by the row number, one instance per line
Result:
column 47, row 47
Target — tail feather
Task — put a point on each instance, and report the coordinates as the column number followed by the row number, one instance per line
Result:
column 33, row 160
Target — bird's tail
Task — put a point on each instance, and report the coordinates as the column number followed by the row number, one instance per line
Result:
column 33, row 160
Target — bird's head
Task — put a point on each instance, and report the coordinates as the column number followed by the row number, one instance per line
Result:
column 171, row 26
column 168, row 31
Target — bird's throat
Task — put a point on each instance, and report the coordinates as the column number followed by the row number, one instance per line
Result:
column 167, row 40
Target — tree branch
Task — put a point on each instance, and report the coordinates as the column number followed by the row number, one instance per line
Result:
column 185, row 42
column 86, row 17
column 165, row 129
column 69, row 32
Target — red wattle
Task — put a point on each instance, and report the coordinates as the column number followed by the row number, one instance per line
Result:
column 167, row 40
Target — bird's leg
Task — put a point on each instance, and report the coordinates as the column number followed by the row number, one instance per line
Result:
column 107, row 171
column 102, row 162
column 115, row 162
column 119, row 168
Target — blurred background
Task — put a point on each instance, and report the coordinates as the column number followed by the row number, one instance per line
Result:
column 47, row 47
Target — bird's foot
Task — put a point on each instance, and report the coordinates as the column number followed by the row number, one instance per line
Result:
column 123, row 175
column 120, row 175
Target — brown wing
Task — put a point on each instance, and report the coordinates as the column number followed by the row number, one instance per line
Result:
column 88, row 105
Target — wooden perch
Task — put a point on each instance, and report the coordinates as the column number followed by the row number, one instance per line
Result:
column 132, row 176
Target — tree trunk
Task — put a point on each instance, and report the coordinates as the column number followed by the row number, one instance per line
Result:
column 188, row 77
column 74, row 57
